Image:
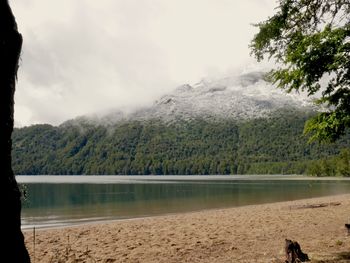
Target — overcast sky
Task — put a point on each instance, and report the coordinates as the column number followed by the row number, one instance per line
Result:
column 85, row 56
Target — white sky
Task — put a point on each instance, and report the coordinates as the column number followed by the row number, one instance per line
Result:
column 84, row 56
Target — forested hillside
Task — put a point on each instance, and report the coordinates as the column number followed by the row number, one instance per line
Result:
column 272, row 145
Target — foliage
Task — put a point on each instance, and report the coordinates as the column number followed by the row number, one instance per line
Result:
column 338, row 165
column 310, row 42
column 269, row 146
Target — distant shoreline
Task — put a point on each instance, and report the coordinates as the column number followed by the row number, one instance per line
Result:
column 159, row 178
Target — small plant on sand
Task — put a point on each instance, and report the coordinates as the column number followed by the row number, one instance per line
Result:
column 339, row 242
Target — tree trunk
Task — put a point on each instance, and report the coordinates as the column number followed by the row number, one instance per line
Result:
column 12, row 248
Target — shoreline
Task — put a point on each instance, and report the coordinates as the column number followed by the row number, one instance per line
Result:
column 121, row 179
column 252, row 233
column 87, row 221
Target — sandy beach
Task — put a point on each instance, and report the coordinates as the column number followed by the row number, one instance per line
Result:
column 245, row 234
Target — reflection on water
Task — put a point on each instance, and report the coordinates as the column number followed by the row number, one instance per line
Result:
column 65, row 203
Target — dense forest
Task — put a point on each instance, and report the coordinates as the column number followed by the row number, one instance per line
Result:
column 272, row 145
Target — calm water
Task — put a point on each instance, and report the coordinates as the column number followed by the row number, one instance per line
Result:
column 55, row 201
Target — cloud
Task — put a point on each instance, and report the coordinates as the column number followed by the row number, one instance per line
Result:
column 87, row 56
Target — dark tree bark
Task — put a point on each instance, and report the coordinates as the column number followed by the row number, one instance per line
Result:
column 12, row 248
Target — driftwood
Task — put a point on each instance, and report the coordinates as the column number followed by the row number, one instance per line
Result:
column 294, row 253
column 315, row 205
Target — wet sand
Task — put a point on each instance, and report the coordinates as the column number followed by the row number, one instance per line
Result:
column 244, row 234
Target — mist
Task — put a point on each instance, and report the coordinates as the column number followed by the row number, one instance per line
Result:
column 82, row 57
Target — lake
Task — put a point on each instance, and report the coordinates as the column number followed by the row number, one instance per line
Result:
column 65, row 200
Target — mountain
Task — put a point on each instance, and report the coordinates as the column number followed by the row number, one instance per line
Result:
column 246, row 96
column 271, row 145
column 237, row 125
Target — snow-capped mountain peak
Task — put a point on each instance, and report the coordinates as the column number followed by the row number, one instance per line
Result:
column 240, row 97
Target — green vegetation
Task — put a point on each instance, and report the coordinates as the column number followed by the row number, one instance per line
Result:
column 335, row 166
column 260, row 146
column 309, row 41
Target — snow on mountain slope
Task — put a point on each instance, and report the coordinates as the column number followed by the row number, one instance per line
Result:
column 241, row 97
